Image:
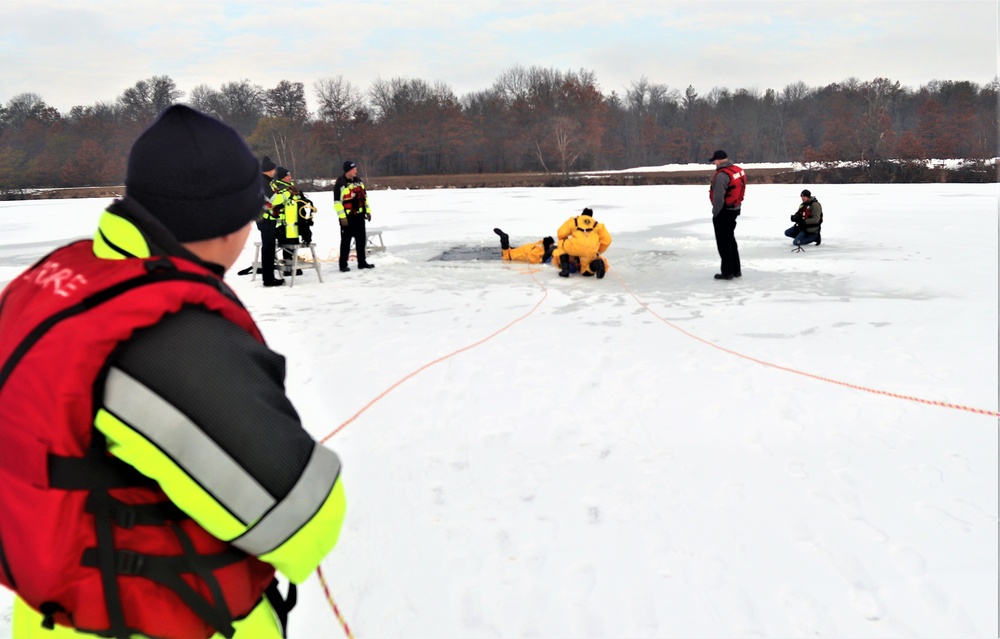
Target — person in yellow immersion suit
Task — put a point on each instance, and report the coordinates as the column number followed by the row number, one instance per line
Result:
column 585, row 239
column 539, row 252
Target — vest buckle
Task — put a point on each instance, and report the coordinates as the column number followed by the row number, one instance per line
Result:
column 159, row 264
column 124, row 516
column 129, row 562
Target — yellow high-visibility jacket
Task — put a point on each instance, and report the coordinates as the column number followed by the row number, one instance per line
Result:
column 350, row 197
column 285, row 204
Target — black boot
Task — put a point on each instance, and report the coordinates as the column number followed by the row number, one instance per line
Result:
column 504, row 239
column 549, row 245
column 597, row 266
column 819, row 239
column 564, row 265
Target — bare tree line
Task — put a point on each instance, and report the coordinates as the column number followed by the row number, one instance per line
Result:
column 529, row 120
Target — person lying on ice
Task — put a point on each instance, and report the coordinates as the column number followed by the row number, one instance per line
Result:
column 586, row 239
column 539, row 252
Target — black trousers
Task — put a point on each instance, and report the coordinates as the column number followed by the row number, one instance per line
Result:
column 355, row 230
column 725, row 240
column 305, row 237
column 268, row 245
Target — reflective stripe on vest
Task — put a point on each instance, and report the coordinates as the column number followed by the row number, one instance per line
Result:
column 258, row 529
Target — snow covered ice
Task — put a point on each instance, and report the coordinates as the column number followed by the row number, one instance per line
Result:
column 606, row 458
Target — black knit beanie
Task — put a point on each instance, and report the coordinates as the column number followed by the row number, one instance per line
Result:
column 267, row 164
column 195, row 174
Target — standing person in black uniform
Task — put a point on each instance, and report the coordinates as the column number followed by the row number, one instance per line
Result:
column 266, row 224
column 726, row 194
column 350, row 201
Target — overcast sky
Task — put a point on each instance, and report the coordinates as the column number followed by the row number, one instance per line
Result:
column 79, row 52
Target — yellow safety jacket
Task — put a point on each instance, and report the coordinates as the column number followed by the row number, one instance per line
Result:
column 285, row 205
column 583, row 236
column 351, row 198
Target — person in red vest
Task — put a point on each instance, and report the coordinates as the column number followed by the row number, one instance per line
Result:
column 729, row 184
column 155, row 473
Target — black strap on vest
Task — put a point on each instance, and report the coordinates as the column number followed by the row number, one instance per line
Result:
column 49, row 610
column 282, row 605
column 96, row 469
column 167, row 571
column 97, row 472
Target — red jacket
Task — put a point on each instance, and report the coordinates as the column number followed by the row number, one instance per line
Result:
column 737, row 187
column 61, row 539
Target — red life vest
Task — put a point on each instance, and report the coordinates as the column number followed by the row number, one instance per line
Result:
column 78, row 524
column 356, row 203
column 737, row 185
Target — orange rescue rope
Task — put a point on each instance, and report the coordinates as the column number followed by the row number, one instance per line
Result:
column 319, row 569
column 439, row 360
column 532, row 271
column 931, row 402
column 333, row 604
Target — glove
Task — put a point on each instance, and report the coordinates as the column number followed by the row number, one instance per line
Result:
column 343, row 221
column 368, row 216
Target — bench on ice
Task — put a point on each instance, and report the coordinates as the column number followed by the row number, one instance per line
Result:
column 373, row 244
column 289, row 265
column 371, row 236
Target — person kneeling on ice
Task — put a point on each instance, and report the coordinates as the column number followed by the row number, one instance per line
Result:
column 584, row 238
column 808, row 220
column 539, row 252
